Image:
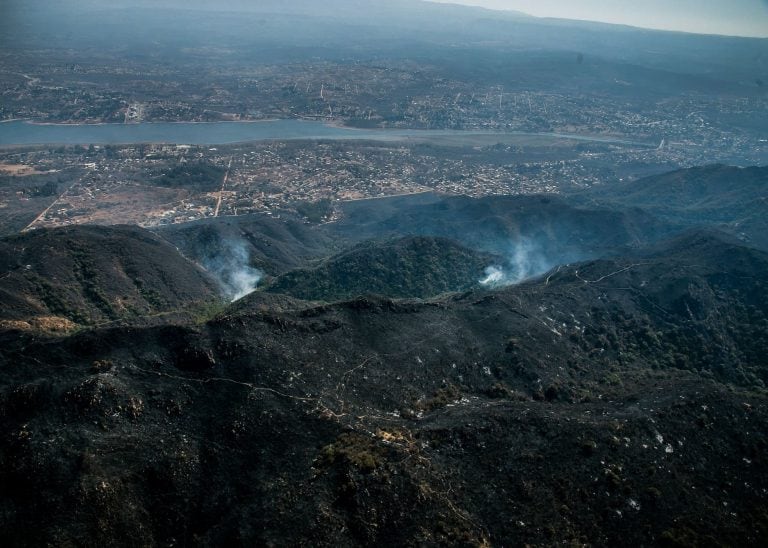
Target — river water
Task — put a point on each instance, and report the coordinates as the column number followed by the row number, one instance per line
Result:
column 220, row 133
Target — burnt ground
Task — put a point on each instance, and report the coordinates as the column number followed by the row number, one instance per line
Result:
column 404, row 267
column 92, row 274
column 614, row 402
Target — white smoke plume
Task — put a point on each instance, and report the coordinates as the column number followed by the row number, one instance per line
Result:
column 231, row 266
column 494, row 276
column 526, row 259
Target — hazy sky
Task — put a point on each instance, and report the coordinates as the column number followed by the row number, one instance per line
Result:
column 734, row 17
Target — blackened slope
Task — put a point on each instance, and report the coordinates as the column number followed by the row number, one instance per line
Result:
column 731, row 198
column 407, row 267
column 544, row 412
column 92, row 273
column 273, row 245
column 559, row 230
column 696, row 303
column 717, row 189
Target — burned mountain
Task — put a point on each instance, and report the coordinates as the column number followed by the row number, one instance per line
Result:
column 405, row 267
column 89, row 274
column 557, row 409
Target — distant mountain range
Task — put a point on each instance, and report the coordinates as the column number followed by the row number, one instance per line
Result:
column 344, row 29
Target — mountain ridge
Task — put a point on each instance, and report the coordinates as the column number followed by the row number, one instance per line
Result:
column 616, row 398
column 732, row 199
column 405, row 267
column 527, row 401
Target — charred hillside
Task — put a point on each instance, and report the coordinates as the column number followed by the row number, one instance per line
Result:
column 554, row 230
column 89, row 274
column 618, row 401
column 405, row 267
column 273, row 245
column 732, row 199
column 567, row 231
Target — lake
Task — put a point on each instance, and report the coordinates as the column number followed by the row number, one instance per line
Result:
column 220, row 133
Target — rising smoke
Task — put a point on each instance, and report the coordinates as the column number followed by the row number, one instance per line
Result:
column 231, row 266
column 526, row 259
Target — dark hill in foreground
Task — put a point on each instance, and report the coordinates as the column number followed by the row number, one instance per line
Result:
column 88, row 274
column 614, row 402
column 406, row 267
